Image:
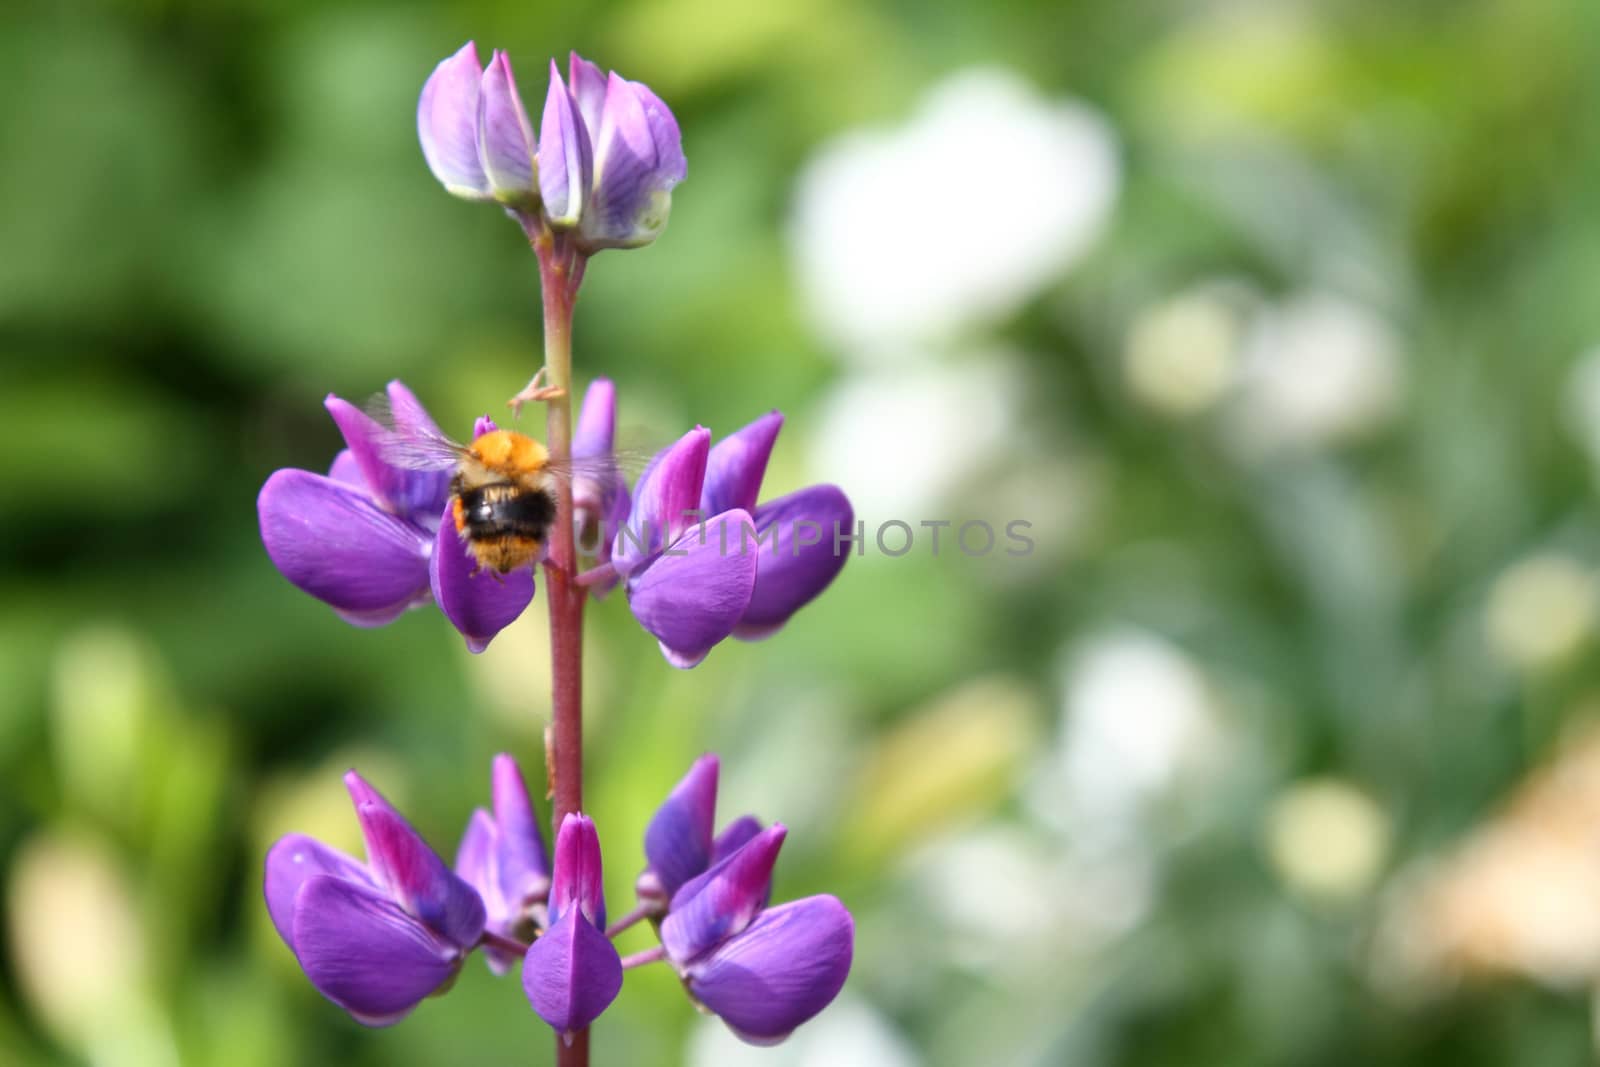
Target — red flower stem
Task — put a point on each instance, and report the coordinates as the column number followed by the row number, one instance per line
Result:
column 649, row 955
column 642, row 911
column 560, row 269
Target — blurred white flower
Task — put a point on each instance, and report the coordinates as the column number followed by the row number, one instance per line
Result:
column 1182, row 354
column 1318, row 370
column 911, row 234
column 1583, row 404
column 1539, row 610
column 907, row 437
column 1138, row 715
column 848, row 1034
column 1327, row 839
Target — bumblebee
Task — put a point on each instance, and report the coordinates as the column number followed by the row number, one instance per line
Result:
column 502, row 491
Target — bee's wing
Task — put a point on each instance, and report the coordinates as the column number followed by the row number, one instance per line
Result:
column 408, row 442
column 614, row 469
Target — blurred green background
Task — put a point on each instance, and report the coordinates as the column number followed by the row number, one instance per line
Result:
column 1275, row 319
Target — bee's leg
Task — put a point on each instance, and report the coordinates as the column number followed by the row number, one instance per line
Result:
column 535, row 392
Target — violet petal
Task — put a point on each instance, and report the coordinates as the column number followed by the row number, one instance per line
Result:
column 506, row 145
column 631, row 190
column 677, row 843
column 566, row 159
column 665, row 500
column 347, row 471
column 786, row 967
column 334, row 542
column 479, row 603
column 571, row 974
column 364, row 953
column 733, row 837
column 736, row 465
column 721, row 902
column 524, row 874
column 588, row 84
column 402, row 492
column 412, row 873
column 292, row 860
column 477, row 865
column 447, row 124
column 797, row 557
column 693, row 595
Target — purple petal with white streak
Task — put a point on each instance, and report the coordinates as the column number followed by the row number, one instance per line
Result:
column 571, row 974
column 786, row 967
column 364, row 953
column 478, row 603
column 447, row 124
column 506, row 146
column 736, row 465
column 632, row 184
column 566, row 159
column 671, row 165
column 334, row 542
column 588, row 91
column 694, row 594
column 800, row 561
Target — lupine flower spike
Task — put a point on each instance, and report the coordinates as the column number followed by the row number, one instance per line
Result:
column 607, row 155
column 374, row 938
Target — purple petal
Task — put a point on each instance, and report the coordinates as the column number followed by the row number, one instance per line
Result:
column 335, row 543
column 677, row 843
column 524, row 874
column 506, row 145
column 597, row 420
column 447, row 124
column 797, row 557
column 664, row 501
column 479, row 603
column 600, row 499
column 734, row 836
column 476, row 865
column 670, row 161
column 735, row 467
column 694, row 594
column 364, row 953
column 720, row 903
column 347, row 471
column 412, row 494
column 292, row 860
column 412, row 873
column 566, row 159
column 588, row 91
column 632, row 183
column 571, row 974
column 787, row 966
column 578, row 878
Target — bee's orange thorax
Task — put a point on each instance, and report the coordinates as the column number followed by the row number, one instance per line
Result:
column 509, row 452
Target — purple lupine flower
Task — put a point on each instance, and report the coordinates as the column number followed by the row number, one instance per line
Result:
column 694, row 583
column 678, row 843
column 372, row 539
column 502, row 856
column 607, row 155
column 374, row 938
column 763, row 970
column 600, row 500
column 572, row 973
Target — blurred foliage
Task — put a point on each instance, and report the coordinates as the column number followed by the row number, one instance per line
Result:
column 214, row 212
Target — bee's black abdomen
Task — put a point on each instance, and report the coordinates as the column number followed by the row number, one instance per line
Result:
column 503, row 510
